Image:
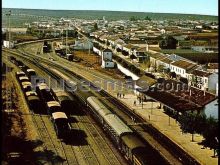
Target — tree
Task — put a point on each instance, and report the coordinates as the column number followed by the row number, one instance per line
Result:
column 188, row 124
column 147, row 18
column 209, row 132
column 96, row 26
column 133, row 18
column 168, row 43
column 160, row 68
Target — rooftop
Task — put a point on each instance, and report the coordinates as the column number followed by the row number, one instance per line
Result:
column 180, row 97
column 201, row 73
column 184, row 64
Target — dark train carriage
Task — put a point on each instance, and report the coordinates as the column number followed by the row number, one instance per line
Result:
column 30, row 72
column 69, row 57
column 12, row 59
column 19, row 74
column 23, row 79
column 138, row 153
column 19, row 63
column 24, row 68
column 66, row 102
column 35, row 103
column 128, row 143
column 44, row 92
column 53, row 106
column 26, row 86
column 61, row 124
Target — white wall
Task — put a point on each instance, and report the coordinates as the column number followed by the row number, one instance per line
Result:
column 127, row 72
column 213, row 79
column 109, row 64
column 107, row 55
column 211, row 109
column 178, row 71
column 96, row 51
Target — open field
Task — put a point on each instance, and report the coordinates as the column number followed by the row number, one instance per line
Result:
column 20, row 16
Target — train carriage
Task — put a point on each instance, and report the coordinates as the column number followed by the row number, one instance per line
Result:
column 53, row 106
column 98, row 108
column 61, row 124
column 19, row 74
column 44, row 92
column 116, row 127
column 22, row 79
column 34, row 102
column 129, row 143
column 66, row 102
column 30, row 72
column 26, row 86
column 69, row 57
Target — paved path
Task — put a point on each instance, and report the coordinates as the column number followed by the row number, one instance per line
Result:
column 171, row 128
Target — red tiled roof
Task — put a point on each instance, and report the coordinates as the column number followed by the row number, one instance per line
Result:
column 181, row 99
column 201, row 73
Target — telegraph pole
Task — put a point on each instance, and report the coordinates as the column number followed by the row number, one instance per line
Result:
column 8, row 88
column 66, row 41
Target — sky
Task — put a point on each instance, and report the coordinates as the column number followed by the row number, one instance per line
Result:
column 206, row 7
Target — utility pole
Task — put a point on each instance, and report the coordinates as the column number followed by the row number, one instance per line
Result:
column 66, row 40
column 8, row 88
column 9, row 28
column 62, row 36
column 89, row 45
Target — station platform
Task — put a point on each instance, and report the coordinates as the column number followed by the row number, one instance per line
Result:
column 169, row 127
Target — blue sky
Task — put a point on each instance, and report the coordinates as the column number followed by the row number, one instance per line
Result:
column 208, row 7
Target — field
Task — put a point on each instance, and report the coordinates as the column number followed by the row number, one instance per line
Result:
column 20, row 16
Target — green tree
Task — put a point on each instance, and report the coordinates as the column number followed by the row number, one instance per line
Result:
column 188, row 124
column 147, row 18
column 210, row 131
column 168, row 43
column 133, row 18
column 96, row 26
column 160, row 68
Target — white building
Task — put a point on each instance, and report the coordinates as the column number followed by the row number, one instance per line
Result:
column 83, row 45
column 182, row 67
column 107, row 59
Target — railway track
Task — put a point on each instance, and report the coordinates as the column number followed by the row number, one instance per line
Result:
column 86, row 151
column 180, row 155
column 99, row 141
column 68, row 152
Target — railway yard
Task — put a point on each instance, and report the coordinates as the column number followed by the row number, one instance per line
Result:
column 101, row 128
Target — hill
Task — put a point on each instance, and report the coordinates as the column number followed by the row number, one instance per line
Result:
column 20, row 16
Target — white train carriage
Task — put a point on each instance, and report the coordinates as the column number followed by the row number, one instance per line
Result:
column 53, row 106
column 116, row 127
column 61, row 124
column 98, row 108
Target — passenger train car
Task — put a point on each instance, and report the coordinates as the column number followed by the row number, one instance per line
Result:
column 128, row 143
